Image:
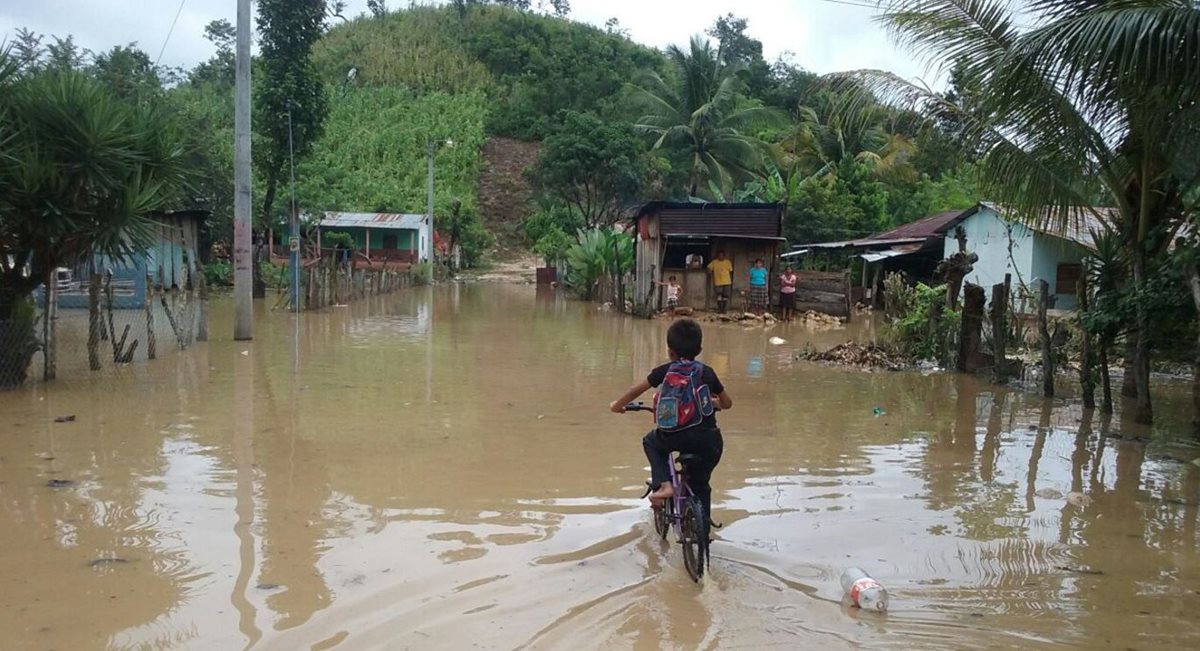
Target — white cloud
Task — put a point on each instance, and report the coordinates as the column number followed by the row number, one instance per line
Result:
column 821, row 35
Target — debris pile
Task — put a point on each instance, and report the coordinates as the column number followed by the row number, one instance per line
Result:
column 853, row 353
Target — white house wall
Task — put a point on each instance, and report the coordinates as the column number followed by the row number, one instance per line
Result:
column 1049, row 252
column 988, row 237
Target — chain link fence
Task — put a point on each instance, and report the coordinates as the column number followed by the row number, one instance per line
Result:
column 97, row 325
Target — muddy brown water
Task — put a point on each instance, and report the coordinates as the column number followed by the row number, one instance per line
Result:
column 436, row 470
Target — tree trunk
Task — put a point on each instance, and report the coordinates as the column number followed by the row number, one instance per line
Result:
column 94, row 322
column 260, row 286
column 1087, row 381
column 1144, row 412
column 1193, row 276
column 1044, row 335
column 50, row 327
column 1128, row 375
column 1106, row 406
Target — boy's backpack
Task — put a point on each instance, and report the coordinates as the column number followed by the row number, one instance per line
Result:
column 683, row 399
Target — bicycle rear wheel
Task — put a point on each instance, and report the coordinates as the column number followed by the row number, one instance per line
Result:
column 695, row 538
column 663, row 517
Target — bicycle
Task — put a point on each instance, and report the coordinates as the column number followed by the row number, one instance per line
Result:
column 684, row 512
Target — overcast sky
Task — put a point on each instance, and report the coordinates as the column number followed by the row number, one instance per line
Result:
column 820, row 35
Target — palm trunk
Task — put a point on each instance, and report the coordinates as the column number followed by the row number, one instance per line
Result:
column 1128, row 381
column 1193, row 276
column 1144, row 412
column 1087, row 381
column 1105, row 378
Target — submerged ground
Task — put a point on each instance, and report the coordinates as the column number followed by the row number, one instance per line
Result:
column 436, row 469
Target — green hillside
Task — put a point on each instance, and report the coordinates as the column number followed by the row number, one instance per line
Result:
column 426, row 72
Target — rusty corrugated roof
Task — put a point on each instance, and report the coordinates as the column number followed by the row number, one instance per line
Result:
column 381, row 220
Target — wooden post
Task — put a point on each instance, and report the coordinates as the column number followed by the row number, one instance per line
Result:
column 1087, row 381
column 1044, row 335
column 846, row 288
column 151, row 341
column 202, row 325
column 970, row 327
column 50, row 327
column 999, row 316
column 93, row 343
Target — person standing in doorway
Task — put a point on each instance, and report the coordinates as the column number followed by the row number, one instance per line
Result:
column 759, row 298
column 721, row 269
column 787, row 292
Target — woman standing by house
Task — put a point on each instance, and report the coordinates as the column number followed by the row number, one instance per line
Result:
column 758, row 287
column 787, row 292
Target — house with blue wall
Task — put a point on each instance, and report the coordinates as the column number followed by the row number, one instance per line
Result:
column 1046, row 250
column 170, row 263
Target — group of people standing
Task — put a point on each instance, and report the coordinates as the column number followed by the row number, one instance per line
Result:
column 721, row 270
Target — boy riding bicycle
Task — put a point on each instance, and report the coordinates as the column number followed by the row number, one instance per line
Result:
column 682, row 426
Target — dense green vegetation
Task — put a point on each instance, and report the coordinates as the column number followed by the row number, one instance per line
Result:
column 1087, row 104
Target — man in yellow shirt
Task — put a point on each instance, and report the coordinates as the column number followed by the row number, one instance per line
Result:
column 721, row 269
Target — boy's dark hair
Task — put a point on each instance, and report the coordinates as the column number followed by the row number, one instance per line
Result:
column 684, row 338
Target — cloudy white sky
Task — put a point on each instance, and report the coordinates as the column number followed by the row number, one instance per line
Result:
column 820, row 35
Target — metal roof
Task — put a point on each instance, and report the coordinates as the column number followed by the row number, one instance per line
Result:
column 924, row 228
column 380, row 220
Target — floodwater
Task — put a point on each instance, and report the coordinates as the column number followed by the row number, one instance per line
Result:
column 436, row 470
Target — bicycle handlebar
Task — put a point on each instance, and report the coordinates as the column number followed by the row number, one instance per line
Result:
column 637, row 406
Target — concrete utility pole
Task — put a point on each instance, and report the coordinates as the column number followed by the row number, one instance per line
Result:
column 243, row 256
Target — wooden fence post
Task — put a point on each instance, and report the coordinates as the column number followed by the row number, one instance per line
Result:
column 999, row 316
column 151, row 340
column 1044, row 335
column 970, row 327
column 202, row 325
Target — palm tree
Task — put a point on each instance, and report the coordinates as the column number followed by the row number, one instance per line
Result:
column 1075, row 99
column 702, row 116
column 818, row 146
column 80, row 172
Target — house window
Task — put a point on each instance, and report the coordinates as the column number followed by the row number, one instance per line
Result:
column 1068, row 277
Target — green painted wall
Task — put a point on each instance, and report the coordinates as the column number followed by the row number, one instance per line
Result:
column 406, row 240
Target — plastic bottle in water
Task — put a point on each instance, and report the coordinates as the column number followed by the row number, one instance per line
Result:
column 864, row 592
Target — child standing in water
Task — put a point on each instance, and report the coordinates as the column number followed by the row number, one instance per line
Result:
column 703, row 438
column 672, row 293
column 787, row 292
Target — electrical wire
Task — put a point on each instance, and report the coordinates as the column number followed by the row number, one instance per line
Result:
column 172, row 31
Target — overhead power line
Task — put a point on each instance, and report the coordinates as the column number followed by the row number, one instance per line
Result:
column 172, row 31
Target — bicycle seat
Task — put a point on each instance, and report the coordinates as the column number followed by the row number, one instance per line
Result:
column 685, row 459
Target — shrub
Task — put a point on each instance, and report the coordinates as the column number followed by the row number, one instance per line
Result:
column 218, row 273
column 913, row 331
column 422, row 273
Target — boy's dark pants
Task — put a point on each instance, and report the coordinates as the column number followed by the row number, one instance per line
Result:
column 704, row 442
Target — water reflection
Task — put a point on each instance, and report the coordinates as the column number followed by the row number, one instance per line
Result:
column 435, row 469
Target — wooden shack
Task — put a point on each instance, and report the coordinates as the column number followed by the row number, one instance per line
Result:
column 680, row 239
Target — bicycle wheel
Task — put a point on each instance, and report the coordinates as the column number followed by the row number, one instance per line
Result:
column 663, row 518
column 695, row 538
